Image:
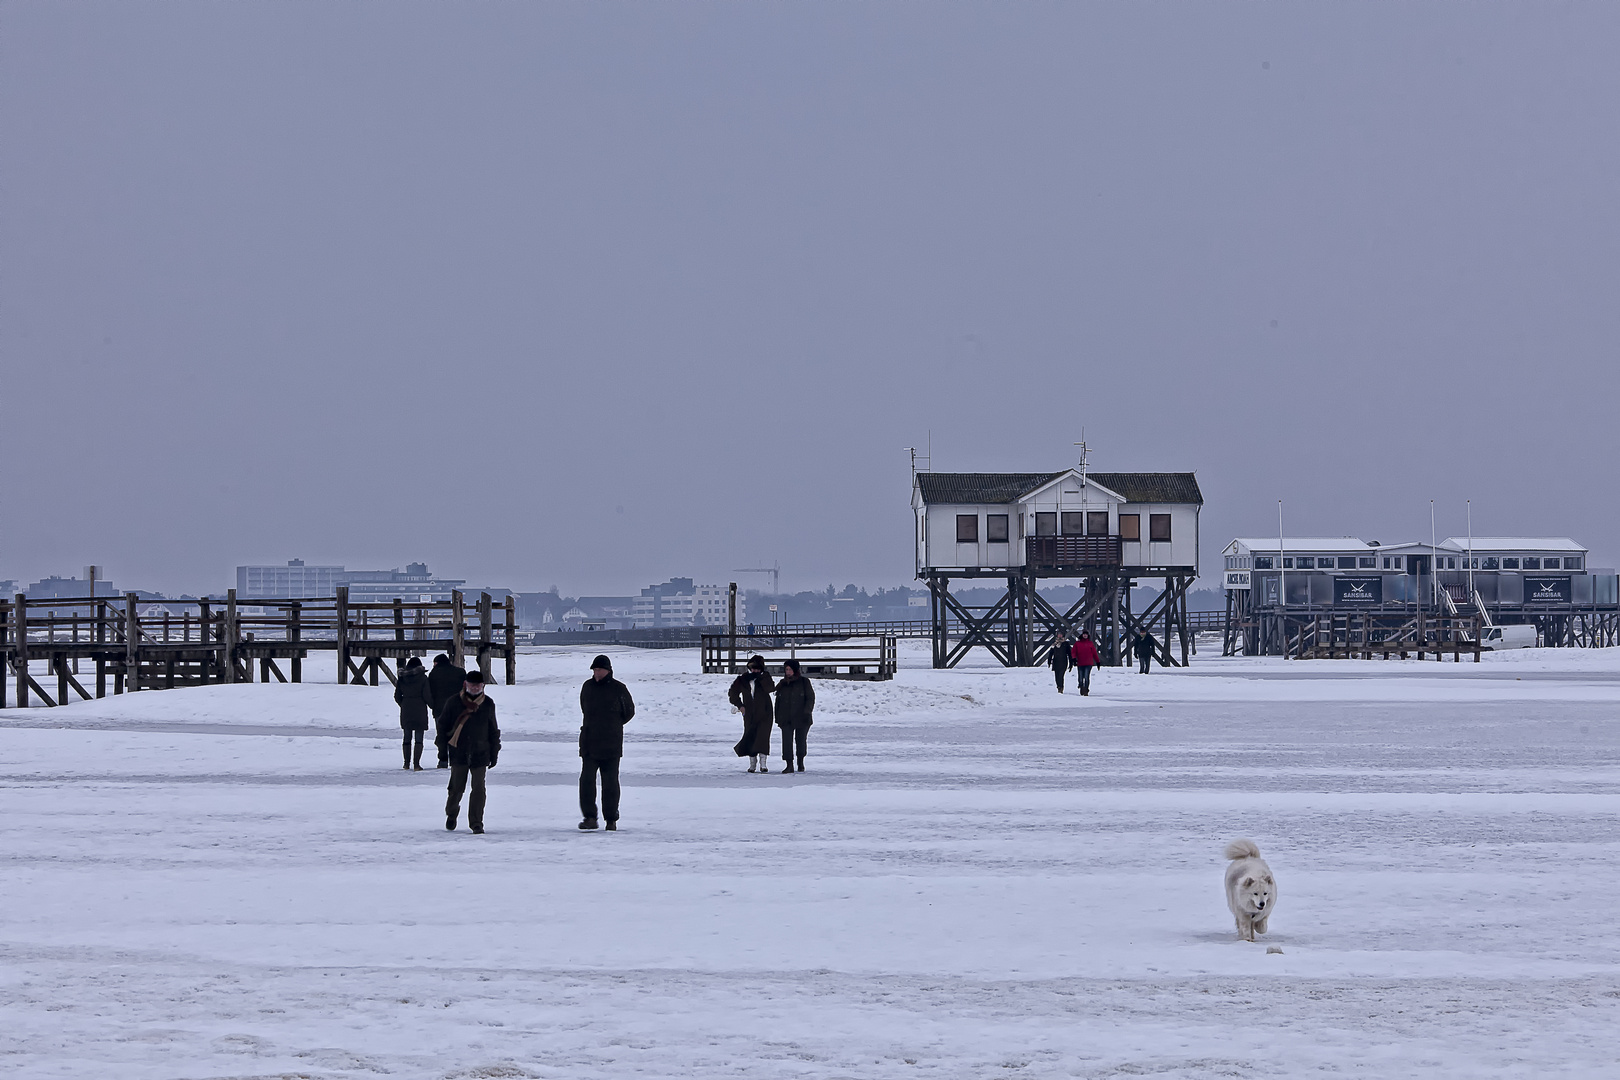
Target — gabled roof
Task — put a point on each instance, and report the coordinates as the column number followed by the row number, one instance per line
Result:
column 937, row 487
column 979, row 487
column 1151, row 487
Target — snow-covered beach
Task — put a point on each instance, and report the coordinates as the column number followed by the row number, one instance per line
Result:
column 976, row 877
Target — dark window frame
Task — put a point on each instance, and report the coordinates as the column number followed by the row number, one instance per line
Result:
column 1263, row 562
column 1072, row 523
column 972, row 530
column 1347, row 562
column 1159, row 523
column 1091, row 520
column 1046, row 523
column 991, row 522
column 1130, row 527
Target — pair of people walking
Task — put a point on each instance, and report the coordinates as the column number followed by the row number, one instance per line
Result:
column 793, row 713
column 420, row 694
column 1082, row 656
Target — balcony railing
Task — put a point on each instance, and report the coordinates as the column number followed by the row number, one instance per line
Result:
column 1071, row 552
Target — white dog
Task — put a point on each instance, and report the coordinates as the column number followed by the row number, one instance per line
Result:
column 1251, row 891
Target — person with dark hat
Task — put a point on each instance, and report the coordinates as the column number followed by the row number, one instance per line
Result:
column 751, row 694
column 414, row 698
column 444, row 681
column 795, row 701
column 605, row 707
column 1060, row 661
column 470, row 738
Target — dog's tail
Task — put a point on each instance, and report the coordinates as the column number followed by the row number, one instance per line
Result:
column 1242, row 849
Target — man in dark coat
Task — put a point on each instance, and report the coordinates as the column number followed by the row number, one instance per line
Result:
column 605, row 707
column 1145, row 646
column 414, row 699
column 751, row 694
column 1059, row 661
column 795, row 701
column 469, row 736
column 444, row 683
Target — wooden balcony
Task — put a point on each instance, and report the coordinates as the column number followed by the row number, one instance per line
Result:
column 1071, row 552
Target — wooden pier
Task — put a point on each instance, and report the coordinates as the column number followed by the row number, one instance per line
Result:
column 131, row 644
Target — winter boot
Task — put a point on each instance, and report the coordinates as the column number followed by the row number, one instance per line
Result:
column 613, row 826
column 450, row 822
column 801, row 763
column 787, row 766
column 407, row 764
column 753, row 763
column 588, row 824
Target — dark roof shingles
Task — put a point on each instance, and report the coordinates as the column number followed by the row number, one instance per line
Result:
column 1005, row 487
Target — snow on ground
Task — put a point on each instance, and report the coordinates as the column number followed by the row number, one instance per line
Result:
column 976, row 878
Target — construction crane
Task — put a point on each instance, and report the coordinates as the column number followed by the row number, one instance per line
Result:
column 775, row 570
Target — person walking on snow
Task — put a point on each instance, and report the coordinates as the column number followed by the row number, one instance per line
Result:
column 795, row 700
column 1145, row 646
column 1059, row 661
column 605, row 707
column 470, row 738
column 414, row 698
column 444, row 682
column 751, row 694
column 1084, row 657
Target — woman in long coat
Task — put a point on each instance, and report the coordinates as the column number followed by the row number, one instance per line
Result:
column 795, row 700
column 414, row 699
column 751, row 693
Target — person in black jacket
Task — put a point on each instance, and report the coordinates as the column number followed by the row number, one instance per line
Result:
column 605, row 707
column 444, row 683
column 469, row 736
column 1060, row 662
column 1146, row 644
column 751, row 694
column 413, row 698
column 795, row 701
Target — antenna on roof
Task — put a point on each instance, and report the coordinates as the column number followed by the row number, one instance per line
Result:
column 1085, row 454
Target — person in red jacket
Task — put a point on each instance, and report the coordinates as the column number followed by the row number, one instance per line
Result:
column 1084, row 657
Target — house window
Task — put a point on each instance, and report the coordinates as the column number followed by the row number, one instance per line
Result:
column 1451, row 563
column 1074, row 523
column 1532, row 563
column 1096, row 523
column 995, row 528
column 1510, row 562
column 967, row 528
column 1159, row 528
column 1262, row 562
column 1130, row 526
column 1288, row 562
column 1046, row 524
column 1347, row 562
column 1491, row 563
column 1370, row 562
column 1305, row 562
column 1572, row 562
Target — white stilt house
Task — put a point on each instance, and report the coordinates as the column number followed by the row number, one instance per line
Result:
column 1102, row 528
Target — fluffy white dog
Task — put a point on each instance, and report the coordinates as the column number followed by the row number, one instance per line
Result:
column 1251, row 891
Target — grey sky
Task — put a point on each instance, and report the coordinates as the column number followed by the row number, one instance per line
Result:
column 371, row 283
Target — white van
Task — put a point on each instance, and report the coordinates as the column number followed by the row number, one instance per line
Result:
column 1508, row 637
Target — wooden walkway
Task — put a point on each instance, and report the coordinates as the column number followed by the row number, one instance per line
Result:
column 135, row 644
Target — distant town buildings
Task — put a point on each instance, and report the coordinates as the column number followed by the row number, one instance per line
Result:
column 679, row 602
column 296, row 581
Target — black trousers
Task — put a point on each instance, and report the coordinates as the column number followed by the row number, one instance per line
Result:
column 609, row 768
column 413, row 750
column 1147, row 662
column 1059, row 673
column 459, row 774
column 797, row 734
column 1084, row 675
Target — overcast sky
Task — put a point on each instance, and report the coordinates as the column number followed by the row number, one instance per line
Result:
column 596, row 294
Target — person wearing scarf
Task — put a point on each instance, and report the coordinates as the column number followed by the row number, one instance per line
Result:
column 751, row 694
column 470, row 738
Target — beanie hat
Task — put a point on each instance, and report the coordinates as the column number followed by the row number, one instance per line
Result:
column 602, row 662
column 758, row 660
column 474, row 676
